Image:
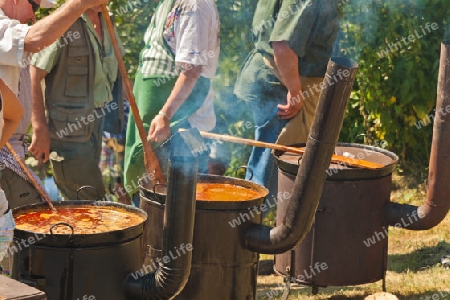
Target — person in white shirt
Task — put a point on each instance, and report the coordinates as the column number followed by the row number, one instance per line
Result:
column 173, row 82
column 18, row 40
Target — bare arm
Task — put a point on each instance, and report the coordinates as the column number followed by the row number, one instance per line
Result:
column 286, row 61
column 40, row 142
column 159, row 128
column 50, row 28
column 12, row 113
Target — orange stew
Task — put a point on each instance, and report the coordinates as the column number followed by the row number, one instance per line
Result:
column 225, row 192
column 84, row 220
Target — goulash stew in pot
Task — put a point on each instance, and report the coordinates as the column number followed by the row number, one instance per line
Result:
column 84, row 220
column 225, row 192
column 94, row 219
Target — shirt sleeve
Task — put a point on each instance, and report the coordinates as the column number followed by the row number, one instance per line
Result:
column 119, row 41
column 12, row 42
column 47, row 58
column 192, row 32
column 294, row 22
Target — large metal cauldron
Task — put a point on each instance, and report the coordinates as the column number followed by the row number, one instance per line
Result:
column 337, row 251
column 221, row 266
column 70, row 266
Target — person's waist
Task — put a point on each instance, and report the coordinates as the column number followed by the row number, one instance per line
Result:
column 18, row 137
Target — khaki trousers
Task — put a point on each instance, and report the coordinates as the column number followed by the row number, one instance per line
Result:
column 297, row 129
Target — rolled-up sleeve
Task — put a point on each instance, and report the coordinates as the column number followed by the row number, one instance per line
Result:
column 12, row 42
column 47, row 58
column 293, row 24
column 193, row 30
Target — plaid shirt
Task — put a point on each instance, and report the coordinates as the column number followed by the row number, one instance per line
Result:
column 109, row 161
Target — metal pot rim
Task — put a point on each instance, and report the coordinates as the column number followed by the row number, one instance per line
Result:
column 342, row 174
column 156, row 198
column 80, row 240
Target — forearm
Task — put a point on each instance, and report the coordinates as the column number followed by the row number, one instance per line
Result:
column 9, row 127
column 160, row 125
column 40, row 142
column 182, row 89
column 12, row 113
column 38, row 119
column 286, row 61
column 49, row 29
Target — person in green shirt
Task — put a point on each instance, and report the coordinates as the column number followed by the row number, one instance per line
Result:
column 80, row 70
column 280, row 78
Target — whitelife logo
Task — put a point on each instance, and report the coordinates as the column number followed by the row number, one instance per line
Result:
column 318, row 267
column 146, row 269
column 380, row 235
column 86, row 297
column 398, row 45
column 85, row 120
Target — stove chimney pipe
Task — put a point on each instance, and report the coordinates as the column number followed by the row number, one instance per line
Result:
column 179, row 215
column 311, row 175
column 436, row 204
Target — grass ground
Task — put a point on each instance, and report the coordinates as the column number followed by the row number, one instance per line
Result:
column 414, row 262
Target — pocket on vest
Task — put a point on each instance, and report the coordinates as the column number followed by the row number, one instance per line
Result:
column 71, row 124
column 77, row 80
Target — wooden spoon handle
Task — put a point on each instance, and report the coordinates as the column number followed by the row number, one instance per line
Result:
column 31, row 178
column 335, row 158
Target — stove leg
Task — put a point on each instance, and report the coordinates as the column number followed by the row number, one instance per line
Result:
column 287, row 287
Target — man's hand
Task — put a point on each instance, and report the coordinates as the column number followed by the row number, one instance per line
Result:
column 40, row 144
column 159, row 129
column 292, row 107
column 160, row 126
column 286, row 61
column 47, row 30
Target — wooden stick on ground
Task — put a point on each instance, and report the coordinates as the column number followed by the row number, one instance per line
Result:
column 31, row 178
column 150, row 161
column 335, row 158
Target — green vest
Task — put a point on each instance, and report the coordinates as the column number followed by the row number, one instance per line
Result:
column 69, row 97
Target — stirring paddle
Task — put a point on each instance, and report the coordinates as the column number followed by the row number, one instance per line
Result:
column 335, row 158
column 31, row 178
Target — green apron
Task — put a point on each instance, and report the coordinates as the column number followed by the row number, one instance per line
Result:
column 151, row 95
